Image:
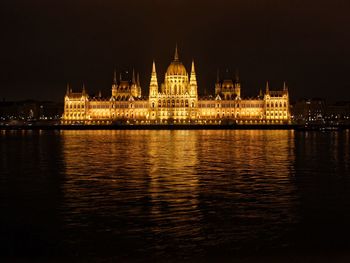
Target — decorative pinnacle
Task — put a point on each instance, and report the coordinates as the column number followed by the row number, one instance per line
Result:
column 267, row 87
column 133, row 76
column 192, row 68
column 176, row 56
column 154, row 67
column 115, row 76
column 284, row 86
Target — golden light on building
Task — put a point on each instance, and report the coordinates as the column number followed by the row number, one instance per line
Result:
column 176, row 101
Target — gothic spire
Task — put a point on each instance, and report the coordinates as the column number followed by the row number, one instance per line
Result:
column 267, row 87
column 284, row 86
column 237, row 75
column 153, row 87
column 67, row 92
column 176, row 56
column 192, row 67
column 154, row 80
column 153, row 68
column 138, row 79
column 193, row 79
column 133, row 76
column 115, row 76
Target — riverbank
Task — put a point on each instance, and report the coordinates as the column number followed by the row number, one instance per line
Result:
column 176, row 127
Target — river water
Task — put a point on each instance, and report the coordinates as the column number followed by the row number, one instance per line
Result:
column 173, row 196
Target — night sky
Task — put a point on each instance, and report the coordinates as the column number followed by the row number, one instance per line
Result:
column 45, row 44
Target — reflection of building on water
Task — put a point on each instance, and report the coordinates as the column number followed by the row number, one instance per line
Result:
column 176, row 101
column 149, row 177
column 173, row 186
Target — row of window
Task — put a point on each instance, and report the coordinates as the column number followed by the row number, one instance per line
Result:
column 75, row 106
column 173, row 103
column 276, row 104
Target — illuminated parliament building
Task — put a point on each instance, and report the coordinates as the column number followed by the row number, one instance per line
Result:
column 176, row 101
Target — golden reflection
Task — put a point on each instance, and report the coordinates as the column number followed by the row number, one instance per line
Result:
column 174, row 182
column 169, row 183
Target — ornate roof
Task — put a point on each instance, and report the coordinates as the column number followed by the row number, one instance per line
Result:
column 176, row 67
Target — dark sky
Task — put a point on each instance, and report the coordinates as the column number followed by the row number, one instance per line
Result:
column 45, row 44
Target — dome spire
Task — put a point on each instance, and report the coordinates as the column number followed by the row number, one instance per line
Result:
column 176, row 56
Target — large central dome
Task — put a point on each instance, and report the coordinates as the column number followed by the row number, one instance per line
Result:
column 176, row 67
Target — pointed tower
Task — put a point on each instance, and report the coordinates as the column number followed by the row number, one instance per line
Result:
column 68, row 90
column 138, row 79
column 217, row 84
column 193, row 81
column 139, row 90
column 237, row 76
column 237, row 85
column 133, row 77
column 83, row 90
column 153, row 87
column 134, row 92
column 285, row 87
column 114, row 84
column 267, row 88
column 260, row 94
column 176, row 55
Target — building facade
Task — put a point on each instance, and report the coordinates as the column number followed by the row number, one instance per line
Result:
column 176, row 101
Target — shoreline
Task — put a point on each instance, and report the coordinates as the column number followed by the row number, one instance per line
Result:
column 296, row 127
